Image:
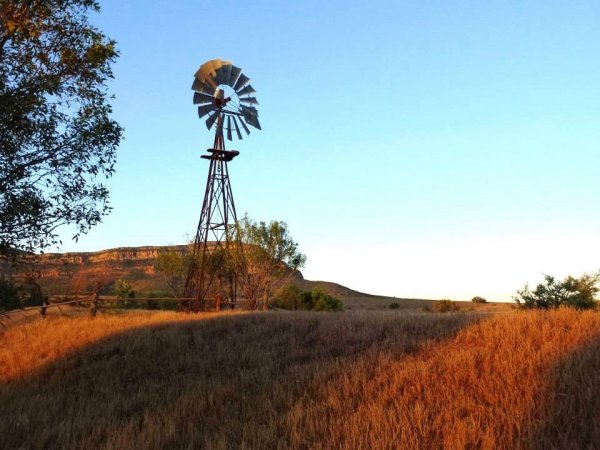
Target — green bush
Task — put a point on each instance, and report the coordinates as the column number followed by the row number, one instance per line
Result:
column 394, row 305
column 325, row 302
column 571, row 292
column 9, row 296
column 478, row 299
column 445, row 306
column 123, row 289
column 290, row 297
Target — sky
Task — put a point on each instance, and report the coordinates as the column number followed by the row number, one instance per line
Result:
column 421, row 149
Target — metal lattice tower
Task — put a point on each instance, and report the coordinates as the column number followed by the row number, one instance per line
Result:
column 220, row 90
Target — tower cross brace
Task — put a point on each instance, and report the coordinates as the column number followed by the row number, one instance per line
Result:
column 211, row 281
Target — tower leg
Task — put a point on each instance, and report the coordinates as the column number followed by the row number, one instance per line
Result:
column 212, row 276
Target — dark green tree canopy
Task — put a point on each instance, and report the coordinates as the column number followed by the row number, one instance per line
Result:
column 57, row 140
column 578, row 293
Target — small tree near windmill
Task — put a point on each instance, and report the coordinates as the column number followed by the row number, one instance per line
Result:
column 270, row 255
column 173, row 267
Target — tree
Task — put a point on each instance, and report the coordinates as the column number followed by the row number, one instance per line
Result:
column 57, row 140
column 173, row 267
column 574, row 292
column 270, row 254
column 123, row 289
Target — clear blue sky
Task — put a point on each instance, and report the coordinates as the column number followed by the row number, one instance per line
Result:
column 422, row 148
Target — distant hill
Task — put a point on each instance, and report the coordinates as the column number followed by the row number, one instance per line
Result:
column 75, row 273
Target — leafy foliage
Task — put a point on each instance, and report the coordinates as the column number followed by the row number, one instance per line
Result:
column 9, row 295
column 445, row 306
column 172, row 266
column 290, row 297
column 478, row 299
column 57, row 140
column 578, row 293
column 123, row 289
column 270, row 255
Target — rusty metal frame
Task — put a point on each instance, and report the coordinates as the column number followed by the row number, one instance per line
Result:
column 209, row 289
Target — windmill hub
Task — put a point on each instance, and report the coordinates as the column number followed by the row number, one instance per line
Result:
column 220, row 99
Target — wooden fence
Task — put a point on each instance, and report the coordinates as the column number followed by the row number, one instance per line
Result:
column 93, row 302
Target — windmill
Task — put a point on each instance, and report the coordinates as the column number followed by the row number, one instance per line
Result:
column 223, row 95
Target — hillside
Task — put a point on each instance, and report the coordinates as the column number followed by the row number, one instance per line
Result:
column 302, row 380
column 75, row 273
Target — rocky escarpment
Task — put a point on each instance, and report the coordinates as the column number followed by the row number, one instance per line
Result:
column 79, row 272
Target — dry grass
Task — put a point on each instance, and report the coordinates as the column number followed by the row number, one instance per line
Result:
column 302, row 380
column 527, row 380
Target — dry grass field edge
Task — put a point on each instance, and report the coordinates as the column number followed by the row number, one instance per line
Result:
column 168, row 380
column 302, row 380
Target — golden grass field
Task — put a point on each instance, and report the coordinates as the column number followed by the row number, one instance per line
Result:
column 351, row 380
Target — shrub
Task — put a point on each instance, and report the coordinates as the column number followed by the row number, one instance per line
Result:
column 9, row 296
column 572, row 292
column 478, row 299
column 445, row 306
column 152, row 303
column 123, row 289
column 394, row 305
column 325, row 302
column 290, row 297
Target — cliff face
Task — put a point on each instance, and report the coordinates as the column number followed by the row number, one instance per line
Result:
column 74, row 273
column 79, row 273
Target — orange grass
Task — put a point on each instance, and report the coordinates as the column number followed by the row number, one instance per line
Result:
column 302, row 380
column 28, row 347
column 527, row 380
column 225, row 382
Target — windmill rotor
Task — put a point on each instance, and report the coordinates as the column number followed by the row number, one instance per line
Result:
column 222, row 92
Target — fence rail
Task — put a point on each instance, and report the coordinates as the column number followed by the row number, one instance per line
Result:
column 88, row 300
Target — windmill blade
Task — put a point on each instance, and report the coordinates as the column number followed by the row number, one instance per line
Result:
column 199, row 86
column 237, row 128
column 210, row 81
column 219, row 76
column 208, row 69
column 229, row 128
column 206, row 84
column 250, row 115
column 247, row 90
column 241, row 82
column 250, row 100
column 200, row 98
column 204, row 70
column 211, row 120
column 204, row 110
column 208, row 72
column 235, row 73
column 248, row 111
column 244, row 126
column 255, row 123
column 225, row 74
